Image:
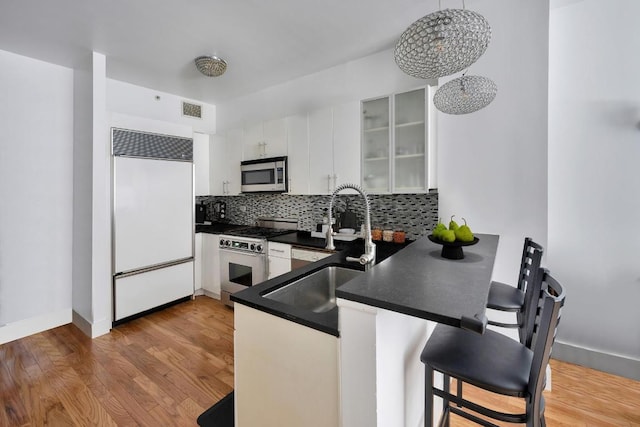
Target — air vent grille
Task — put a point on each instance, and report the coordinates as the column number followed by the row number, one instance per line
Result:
column 191, row 110
column 130, row 143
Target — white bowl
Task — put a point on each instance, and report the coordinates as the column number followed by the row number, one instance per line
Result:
column 347, row 231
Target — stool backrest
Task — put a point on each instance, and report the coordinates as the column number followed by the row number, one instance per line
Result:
column 551, row 300
column 531, row 283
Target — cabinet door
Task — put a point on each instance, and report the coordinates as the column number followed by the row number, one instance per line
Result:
column 197, row 262
column 210, row 265
column 218, row 166
column 321, row 179
column 233, row 157
column 346, row 143
column 278, row 266
column 298, row 152
column 274, row 138
column 201, row 163
column 376, row 145
column 252, row 141
column 410, row 148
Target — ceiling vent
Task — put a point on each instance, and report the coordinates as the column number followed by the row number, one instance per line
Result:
column 191, row 110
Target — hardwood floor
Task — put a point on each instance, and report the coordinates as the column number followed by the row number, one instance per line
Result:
column 160, row 370
column 168, row 367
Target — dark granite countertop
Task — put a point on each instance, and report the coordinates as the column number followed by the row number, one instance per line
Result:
column 303, row 238
column 217, row 227
column 328, row 321
column 419, row 282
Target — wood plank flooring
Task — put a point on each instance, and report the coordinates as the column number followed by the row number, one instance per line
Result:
column 168, row 367
column 163, row 369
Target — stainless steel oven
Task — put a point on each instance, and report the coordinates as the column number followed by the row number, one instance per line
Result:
column 243, row 263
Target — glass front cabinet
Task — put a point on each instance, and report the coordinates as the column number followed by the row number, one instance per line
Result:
column 396, row 143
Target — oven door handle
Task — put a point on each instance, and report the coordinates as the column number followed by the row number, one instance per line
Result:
column 253, row 254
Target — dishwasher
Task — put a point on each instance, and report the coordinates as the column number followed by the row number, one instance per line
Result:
column 303, row 256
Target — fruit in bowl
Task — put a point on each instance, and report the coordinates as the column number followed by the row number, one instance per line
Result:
column 454, row 233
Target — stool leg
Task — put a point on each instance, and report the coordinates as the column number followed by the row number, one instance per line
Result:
column 428, row 396
column 459, row 387
column 446, row 386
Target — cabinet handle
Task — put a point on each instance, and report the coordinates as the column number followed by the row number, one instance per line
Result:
column 277, row 250
column 329, row 190
column 335, row 181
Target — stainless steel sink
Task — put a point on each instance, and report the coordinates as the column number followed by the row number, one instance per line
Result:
column 315, row 292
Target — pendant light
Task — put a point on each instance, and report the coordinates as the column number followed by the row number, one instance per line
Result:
column 442, row 43
column 464, row 95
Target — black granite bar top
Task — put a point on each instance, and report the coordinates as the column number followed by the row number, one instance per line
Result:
column 328, row 321
column 419, row 282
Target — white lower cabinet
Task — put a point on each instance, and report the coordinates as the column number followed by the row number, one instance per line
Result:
column 279, row 259
column 210, row 265
column 286, row 374
column 197, row 263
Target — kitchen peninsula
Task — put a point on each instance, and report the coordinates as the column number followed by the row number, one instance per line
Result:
column 371, row 374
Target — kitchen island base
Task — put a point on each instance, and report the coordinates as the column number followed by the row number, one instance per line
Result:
column 286, row 374
column 381, row 376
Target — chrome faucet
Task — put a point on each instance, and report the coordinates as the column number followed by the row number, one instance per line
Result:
column 368, row 258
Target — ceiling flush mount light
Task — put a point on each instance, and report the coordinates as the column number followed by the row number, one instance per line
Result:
column 211, row 66
column 465, row 95
column 442, row 43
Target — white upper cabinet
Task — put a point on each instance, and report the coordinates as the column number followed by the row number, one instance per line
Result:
column 321, row 176
column 225, row 158
column 201, row 163
column 346, row 143
column 265, row 139
column 395, row 143
column 298, row 153
column 334, row 147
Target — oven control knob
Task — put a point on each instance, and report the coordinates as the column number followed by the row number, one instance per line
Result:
column 252, row 247
column 221, row 242
column 227, row 243
column 258, row 248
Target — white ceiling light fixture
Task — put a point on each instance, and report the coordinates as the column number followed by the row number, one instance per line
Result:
column 211, row 66
column 465, row 94
column 442, row 43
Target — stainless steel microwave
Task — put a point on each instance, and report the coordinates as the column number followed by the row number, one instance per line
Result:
column 264, row 175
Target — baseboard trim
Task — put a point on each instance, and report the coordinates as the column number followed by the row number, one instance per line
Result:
column 610, row 363
column 92, row 330
column 211, row 294
column 23, row 328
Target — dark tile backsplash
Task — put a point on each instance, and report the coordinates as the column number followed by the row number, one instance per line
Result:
column 416, row 214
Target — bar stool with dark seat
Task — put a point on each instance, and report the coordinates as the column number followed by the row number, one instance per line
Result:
column 495, row 362
column 505, row 297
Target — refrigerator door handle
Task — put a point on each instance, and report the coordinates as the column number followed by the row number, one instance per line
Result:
column 152, row 267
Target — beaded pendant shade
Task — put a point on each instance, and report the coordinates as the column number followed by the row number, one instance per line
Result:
column 442, row 43
column 211, row 66
column 465, row 95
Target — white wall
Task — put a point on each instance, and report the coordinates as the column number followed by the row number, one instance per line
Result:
column 594, row 178
column 368, row 77
column 492, row 164
column 36, row 172
column 132, row 100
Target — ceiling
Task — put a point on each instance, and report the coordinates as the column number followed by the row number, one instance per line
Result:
column 153, row 43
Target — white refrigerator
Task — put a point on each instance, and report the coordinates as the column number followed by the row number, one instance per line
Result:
column 152, row 221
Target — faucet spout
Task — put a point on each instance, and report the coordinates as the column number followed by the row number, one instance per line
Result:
column 369, row 256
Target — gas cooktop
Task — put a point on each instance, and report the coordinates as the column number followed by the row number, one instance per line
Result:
column 259, row 232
